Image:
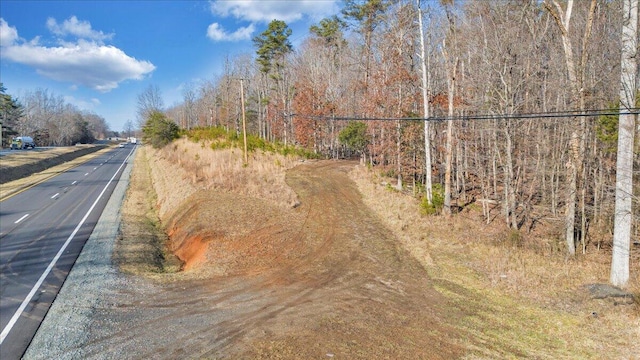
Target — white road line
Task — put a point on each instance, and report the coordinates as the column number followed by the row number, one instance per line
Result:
column 22, row 218
column 94, row 168
column 73, row 183
column 86, row 174
column 55, row 196
column 53, row 262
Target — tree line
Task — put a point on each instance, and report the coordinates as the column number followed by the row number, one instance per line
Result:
column 48, row 119
column 382, row 63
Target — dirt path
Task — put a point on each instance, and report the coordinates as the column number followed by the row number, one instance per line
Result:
column 322, row 280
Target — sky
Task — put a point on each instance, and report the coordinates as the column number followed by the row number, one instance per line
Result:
column 99, row 55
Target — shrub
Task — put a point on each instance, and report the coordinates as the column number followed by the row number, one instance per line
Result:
column 222, row 139
column 437, row 201
column 159, row 130
column 354, row 137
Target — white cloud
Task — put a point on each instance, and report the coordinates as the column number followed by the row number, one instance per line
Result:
column 8, row 34
column 82, row 104
column 85, row 62
column 73, row 26
column 215, row 32
column 266, row 10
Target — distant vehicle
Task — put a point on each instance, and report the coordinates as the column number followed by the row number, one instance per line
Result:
column 133, row 140
column 22, row 142
column 121, row 145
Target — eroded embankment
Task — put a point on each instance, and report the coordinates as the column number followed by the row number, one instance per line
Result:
column 190, row 182
column 323, row 277
column 232, row 234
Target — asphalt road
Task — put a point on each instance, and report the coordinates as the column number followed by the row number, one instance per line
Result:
column 42, row 231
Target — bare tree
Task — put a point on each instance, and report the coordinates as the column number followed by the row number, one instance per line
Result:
column 189, row 115
column 149, row 100
column 452, row 62
column 128, row 127
column 576, row 83
column 425, row 108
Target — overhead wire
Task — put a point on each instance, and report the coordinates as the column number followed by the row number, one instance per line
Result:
column 516, row 116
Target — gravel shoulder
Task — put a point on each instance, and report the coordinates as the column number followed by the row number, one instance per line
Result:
column 65, row 327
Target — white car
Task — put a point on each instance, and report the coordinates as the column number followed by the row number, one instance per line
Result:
column 121, row 145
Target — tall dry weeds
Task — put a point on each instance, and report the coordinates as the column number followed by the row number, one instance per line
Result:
column 183, row 167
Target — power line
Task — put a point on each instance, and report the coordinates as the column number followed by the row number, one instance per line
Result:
column 520, row 116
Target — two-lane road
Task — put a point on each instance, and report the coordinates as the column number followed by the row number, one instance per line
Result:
column 42, row 231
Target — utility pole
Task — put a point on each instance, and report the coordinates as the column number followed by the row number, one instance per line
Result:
column 244, row 122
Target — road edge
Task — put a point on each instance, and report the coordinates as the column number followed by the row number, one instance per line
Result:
column 66, row 326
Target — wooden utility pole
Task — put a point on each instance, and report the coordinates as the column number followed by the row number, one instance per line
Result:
column 244, row 122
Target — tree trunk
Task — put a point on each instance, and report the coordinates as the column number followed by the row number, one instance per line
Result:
column 626, row 129
column 425, row 111
column 576, row 81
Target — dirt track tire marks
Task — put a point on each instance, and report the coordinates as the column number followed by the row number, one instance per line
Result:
column 343, row 285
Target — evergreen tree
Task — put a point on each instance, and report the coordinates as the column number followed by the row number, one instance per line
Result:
column 159, row 130
column 11, row 111
column 273, row 44
column 354, row 137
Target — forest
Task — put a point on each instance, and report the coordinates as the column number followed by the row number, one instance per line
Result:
column 49, row 119
column 519, row 111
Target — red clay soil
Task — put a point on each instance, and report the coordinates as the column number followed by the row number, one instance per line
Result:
column 325, row 279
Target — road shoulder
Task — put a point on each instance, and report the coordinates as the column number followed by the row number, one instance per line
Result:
column 65, row 328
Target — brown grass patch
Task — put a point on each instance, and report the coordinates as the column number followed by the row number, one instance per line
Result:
column 186, row 184
column 141, row 246
column 538, row 296
column 203, row 168
column 24, row 169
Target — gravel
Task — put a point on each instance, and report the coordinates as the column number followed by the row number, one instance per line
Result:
column 66, row 327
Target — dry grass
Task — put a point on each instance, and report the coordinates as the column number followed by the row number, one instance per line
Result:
column 531, row 301
column 31, row 167
column 164, row 193
column 141, row 245
column 514, row 300
column 22, row 157
column 202, row 168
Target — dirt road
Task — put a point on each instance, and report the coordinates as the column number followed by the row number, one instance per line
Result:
column 324, row 279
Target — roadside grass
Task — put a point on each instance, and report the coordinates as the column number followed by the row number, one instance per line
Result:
column 217, row 137
column 164, row 178
column 141, row 245
column 516, row 299
column 224, row 169
column 29, row 167
column 22, row 157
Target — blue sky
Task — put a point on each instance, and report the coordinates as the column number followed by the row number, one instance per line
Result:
column 99, row 55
